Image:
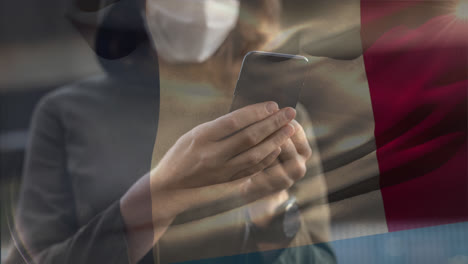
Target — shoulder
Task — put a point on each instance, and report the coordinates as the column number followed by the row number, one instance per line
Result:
column 88, row 87
column 53, row 108
column 74, row 96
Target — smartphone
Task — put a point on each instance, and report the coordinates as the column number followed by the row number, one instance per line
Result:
column 266, row 76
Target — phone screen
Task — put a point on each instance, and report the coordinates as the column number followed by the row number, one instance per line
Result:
column 269, row 77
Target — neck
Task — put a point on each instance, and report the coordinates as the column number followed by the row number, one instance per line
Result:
column 220, row 73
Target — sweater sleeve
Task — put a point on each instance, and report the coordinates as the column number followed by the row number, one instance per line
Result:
column 46, row 217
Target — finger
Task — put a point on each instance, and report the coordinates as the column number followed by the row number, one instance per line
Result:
column 295, row 169
column 231, row 123
column 267, row 182
column 255, row 155
column 276, row 178
column 265, row 163
column 288, row 151
column 274, row 163
column 256, row 133
column 300, row 140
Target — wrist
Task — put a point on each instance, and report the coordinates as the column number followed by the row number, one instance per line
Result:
column 262, row 212
column 282, row 228
column 166, row 202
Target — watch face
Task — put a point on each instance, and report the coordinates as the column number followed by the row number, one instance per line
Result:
column 291, row 221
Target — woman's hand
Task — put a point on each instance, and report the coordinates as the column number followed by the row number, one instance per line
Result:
column 296, row 150
column 235, row 145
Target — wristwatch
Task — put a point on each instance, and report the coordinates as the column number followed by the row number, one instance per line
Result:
column 283, row 227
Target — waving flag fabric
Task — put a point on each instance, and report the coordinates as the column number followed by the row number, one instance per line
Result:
column 391, row 126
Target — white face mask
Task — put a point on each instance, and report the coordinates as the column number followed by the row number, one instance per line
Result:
column 190, row 30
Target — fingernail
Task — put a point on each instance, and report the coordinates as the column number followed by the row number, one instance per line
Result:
column 290, row 113
column 272, row 107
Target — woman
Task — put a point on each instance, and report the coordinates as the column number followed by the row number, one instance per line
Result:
column 87, row 196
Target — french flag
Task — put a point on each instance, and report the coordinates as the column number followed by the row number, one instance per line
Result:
column 391, row 129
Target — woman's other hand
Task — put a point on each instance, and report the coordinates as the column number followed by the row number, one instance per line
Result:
column 296, row 151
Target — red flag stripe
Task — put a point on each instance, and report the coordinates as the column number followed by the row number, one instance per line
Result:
column 417, row 72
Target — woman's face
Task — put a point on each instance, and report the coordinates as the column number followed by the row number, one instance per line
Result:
column 190, row 31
